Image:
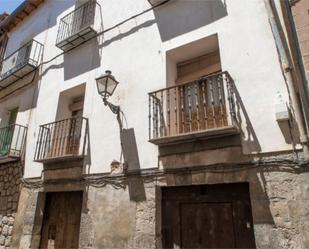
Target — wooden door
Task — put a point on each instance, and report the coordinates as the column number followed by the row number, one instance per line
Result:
column 207, row 225
column 207, row 216
column 61, row 220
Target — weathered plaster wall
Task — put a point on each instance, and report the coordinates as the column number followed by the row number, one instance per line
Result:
column 125, row 212
column 25, row 101
column 10, row 175
column 137, row 53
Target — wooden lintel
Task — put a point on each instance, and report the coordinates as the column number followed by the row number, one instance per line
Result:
column 19, row 18
column 26, row 13
column 33, row 5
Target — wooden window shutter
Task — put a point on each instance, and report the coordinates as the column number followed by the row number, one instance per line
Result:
column 193, row 69
column 3, row 42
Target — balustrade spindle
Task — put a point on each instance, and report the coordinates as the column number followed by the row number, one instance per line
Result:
column 153, row 117
column 168, row 112
column 156, row 115
column 53, row 143
column 57, row 130
column 47, row 140
column 149, row 116
column 205, row 103
column 182, row 99
column 38, row 145
column 231, row 97
column 65, row 128
column 219, row 80
column 40, row 142
column 196, row 88
column 51, row 138
column 14, row 130
column 60, row 138
column 161, row 106
column 71, row 138
column 190, row 107
column 212, row 101
column 175, row 109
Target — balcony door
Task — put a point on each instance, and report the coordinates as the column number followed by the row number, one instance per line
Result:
column 201, row 95
column 65, row 134
column 7, row 133
column 75, row 129
column 83, row 16
column 23, row 54
column 75, row 132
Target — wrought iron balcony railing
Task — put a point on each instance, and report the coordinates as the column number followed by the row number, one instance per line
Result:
column 204, row 104
column 60, row 140
column 79, row 25
column 21, row 62
column 12, row 141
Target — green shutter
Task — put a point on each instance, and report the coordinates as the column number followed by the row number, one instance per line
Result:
column 6, row 134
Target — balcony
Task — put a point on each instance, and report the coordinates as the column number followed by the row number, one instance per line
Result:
column 12, row 142
column 79, row 25
column 62, row 140
column 20, row 63
column 204, row 108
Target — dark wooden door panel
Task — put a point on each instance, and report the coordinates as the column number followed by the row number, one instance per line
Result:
column 207, row 216
column 207, row 225
column 244, row 224
column 61, row 220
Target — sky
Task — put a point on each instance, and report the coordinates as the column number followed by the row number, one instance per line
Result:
column 9, row 5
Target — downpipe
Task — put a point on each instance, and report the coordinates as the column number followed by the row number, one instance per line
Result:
column 287, row 70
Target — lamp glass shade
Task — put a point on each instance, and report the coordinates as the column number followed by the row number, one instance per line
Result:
column 106, row 85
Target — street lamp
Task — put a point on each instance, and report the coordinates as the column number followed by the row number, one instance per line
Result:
column 106, row 85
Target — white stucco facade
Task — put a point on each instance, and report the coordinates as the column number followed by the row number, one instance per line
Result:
column 141, row 54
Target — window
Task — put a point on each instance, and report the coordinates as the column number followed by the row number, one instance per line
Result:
column 200, row 91
column 3, row 42
column 7, row 133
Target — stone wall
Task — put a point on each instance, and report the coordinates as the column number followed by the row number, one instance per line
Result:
column 279, row 197
column 10, row 175
column 124, row 212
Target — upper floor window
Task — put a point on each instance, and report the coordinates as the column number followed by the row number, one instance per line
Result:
column 198, row 97
column 12, row 137
column 3, row 42
column 66, row 138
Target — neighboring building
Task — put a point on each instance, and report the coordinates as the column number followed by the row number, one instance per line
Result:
column 300, row 14
column 12, row 138
column 208, row 150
